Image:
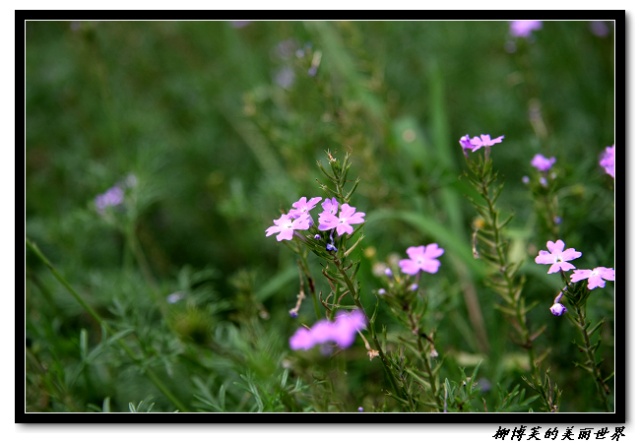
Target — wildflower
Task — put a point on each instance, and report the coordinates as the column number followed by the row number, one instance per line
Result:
column 557, row 257
column 421, row 258
column 541, row 163
column 558, row 309
column 342, row 331
column 112, row 197
column 596, row 276
column 302, row 206
column 526, row 180
column 342, row 223
column 599, row 28
column 285, row 77
column 524, row 28
column 476, row 142
column 329, row 207
column 175, row 297
column 302, row 339
column 608, row 160
column 287, row 224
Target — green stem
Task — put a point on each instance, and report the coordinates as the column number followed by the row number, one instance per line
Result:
column 423, row 354
column 386, row 364
column 152, row 376
column 513, row 295
column 602, row 388
column 305, row 269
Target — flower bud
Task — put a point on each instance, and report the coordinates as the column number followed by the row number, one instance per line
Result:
column 558, row 309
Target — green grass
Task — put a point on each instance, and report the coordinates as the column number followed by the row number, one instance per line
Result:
column 219, row 148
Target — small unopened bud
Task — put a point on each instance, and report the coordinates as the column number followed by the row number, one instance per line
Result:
column 558, row 309
column 413, row 287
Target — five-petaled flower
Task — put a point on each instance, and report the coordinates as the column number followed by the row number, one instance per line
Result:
column 541, row 163
column 608, row 160
column 596, row 276
column 421, row 258
column 287, row 224
column 342, row 331
column 341, row 223
column 302, row 207
column 476, row 142
column 557, row 257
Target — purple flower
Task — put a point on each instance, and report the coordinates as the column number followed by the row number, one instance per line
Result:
column 596, row 276
column 342, row 223
column 330, row 207
column 476, row 142
column 287, row 224
column 302, row 207
column 599, row 28
column 608, row 160
column 541, row 163
column 421, row 258
column 557, row 257
column 558, row 309
column 523, row 28
column 112, row 197
column 342, row 331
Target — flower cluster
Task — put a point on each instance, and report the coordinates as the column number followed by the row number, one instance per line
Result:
column 475, row 143
column 333, row 217
column 608, row 160
column 342, row 331
column 541, row 163
column 558, row 258
column 114, row 196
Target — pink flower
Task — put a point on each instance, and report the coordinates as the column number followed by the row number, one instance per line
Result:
column 608, row 160
column 557, row 257
column 302, row 207
column 476, row 143
column 342, row 223
column 421, row 258
column 596, row 276
column 287, row 224
column 541, row 163
column 330, row 207
column 342, row 331
column 523, row 28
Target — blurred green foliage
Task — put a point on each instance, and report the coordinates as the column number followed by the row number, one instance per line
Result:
column 222, row 126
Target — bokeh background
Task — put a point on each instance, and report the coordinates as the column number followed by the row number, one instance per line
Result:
column 221, row 124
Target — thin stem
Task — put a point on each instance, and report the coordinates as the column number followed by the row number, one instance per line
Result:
column 386, row 364
column 603, row 389
column 152, row 376
column 512, row 294
column 427, row 364
column 312, row 289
